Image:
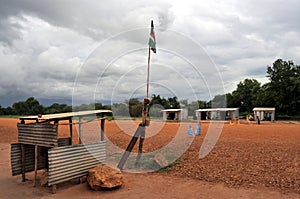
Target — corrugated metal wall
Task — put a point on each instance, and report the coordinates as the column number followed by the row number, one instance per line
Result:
column 64, row 141
column 68, row 162
column 38, row 134
column 16, row 158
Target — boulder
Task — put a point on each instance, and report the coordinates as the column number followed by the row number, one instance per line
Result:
column 161, row 160
column 103, row 176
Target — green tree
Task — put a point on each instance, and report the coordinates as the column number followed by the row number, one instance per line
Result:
column 58, row 108
column 135, row 107
column 184, row 103
column 29, row 107
column 283, row 88
column 245, row 96
column 173, row 102
column 120, row 109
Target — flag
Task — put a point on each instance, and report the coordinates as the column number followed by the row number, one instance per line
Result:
column 152, row 42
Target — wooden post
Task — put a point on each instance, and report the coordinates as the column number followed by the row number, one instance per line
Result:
column 80, row 129
column 102, row 129
column 23, row 162
column 130, row 147
column 71, row 131
column 35, row 163
column 140, row 151
column 54, row 188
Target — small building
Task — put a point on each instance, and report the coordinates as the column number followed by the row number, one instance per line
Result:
column 217, row 113
column 175, row 114
column 264, row 114
column 39, row 147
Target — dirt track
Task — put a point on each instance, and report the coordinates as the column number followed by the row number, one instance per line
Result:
column 249, row 161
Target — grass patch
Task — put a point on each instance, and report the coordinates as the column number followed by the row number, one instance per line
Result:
column 9, row 116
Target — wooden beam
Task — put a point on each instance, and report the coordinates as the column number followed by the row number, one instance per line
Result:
column 35, row 163
column 71, row 130
column 54, row 188
column 102, row 129
column 80, row 130
column 23, row 162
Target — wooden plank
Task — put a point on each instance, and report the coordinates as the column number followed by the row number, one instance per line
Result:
column 23, row 162
column 102, row 129
column 67, row 115
column 35, row 163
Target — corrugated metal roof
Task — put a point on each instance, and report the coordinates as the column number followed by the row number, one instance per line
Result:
column 65, row 115
column 172, row 110
column 264, row 109
column 69, row 162
column 216, row 109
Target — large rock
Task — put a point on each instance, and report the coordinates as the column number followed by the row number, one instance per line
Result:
column 103, row 176
column 161, row 160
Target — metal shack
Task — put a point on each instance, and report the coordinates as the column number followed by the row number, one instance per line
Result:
column 175, row 114
column 39, row 147
column 217, row 113
column 267, row 114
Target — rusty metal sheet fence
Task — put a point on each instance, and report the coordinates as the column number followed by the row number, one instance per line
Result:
column 69, row 162
column 16, row 158
column 38, row 134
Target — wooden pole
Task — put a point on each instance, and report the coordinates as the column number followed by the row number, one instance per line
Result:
column 23, row 162
column 80, row 129
column 130, row 147
column 148, row 72
column 71, row 131
column 35, row 163
column 102, row 129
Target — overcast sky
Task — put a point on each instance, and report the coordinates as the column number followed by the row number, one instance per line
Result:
column 87, row 51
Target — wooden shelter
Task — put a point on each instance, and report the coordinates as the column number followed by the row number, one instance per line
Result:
column 39, row 147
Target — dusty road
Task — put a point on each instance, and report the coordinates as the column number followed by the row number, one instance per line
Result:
column 236, row 146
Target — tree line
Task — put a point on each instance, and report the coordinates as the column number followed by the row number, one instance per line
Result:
column 32, row 106
column 282, row 92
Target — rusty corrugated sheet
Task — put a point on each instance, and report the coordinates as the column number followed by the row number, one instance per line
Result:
column 68, row 162
column 38, row 134
column 16, row 158
column 64, row 141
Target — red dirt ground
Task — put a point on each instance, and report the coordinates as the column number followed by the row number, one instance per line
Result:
column 248, row 161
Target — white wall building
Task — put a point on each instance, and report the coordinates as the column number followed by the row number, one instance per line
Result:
column 175, row 114
column 262, row 113
column 217, row 113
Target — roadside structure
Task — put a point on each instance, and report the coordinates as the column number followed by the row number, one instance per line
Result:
column 40, row 147
column 175, row 114
column 264, row 113
column 217, row 114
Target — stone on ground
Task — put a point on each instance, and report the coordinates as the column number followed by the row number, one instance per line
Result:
column 103, row 176
column 44, row 179
column 161, row 160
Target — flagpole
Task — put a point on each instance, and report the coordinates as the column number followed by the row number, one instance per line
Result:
column 148, row 71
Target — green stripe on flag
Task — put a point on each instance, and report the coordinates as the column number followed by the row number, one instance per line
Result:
column 152, row 42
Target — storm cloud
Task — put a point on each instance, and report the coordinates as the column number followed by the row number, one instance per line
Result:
column 92, row 50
